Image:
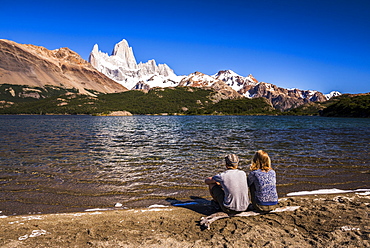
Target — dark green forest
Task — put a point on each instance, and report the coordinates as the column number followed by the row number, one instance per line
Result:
column 179, row 100
column 349, row 106
column 16, row 99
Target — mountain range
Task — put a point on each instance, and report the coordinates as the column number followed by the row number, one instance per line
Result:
column 121, row 66
column 36, row 66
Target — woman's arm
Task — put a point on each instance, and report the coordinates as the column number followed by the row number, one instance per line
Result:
column 250, row 179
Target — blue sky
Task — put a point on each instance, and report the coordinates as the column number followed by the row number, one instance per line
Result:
column 322, row 45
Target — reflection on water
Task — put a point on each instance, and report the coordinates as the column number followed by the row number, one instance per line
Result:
column 65, row 163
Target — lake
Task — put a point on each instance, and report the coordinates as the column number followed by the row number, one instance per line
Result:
column 52, row 164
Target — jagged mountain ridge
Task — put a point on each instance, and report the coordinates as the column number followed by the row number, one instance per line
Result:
column 121, row 66
column 36, row 66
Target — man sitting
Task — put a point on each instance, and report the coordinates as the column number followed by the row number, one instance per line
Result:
column 229, row 188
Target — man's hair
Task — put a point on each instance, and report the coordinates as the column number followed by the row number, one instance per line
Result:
column 232, row 161
column 261, row 160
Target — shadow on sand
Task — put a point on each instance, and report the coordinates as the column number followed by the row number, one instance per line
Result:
column 196, row 204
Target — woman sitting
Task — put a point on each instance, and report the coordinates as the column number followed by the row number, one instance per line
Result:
column 262, row 183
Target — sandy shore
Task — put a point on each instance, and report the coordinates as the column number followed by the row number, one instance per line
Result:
column 332, row 220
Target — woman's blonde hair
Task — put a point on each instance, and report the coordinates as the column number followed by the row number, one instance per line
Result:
column 261, row 160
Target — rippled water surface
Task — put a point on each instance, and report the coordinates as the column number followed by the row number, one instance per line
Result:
column 69, row 163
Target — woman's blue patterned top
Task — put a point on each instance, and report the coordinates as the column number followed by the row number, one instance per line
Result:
column 265, row 186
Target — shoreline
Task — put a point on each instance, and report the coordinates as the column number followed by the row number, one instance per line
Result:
column 179, row 114
column 322, row 220
column 30, row 208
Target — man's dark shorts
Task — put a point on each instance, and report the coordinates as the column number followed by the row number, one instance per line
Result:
column 219, row 194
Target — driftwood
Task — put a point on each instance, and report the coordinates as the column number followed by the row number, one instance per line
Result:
column 207, row 221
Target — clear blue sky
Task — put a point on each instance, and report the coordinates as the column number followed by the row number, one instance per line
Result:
column 307, row 44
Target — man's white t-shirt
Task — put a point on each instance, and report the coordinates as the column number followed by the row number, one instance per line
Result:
column 234, row 183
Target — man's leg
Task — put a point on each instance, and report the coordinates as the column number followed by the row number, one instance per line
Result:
column 218, row 195
column 210, row 187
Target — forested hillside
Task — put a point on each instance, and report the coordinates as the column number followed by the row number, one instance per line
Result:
column 179, row 100
column 349, row 106
column 17, row 99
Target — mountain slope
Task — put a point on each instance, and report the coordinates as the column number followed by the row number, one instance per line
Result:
column 356, row 105
column 37, row 67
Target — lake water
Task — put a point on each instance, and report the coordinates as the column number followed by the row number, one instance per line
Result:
column 54, row 164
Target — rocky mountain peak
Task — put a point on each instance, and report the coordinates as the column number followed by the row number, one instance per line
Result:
column 124, row 51
column 197, row 79
column 250, row 76
column 225, row 73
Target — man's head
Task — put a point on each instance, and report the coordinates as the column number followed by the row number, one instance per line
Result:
column 232, row 161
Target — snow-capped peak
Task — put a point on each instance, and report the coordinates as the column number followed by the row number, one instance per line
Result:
column 226, row 73
column 332, row 94
column 235, row 81
column 197, row 79
column 121, row 66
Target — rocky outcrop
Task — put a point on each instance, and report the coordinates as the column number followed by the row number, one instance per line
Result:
column 284, row 99
column 116, row 113
column 37, row 66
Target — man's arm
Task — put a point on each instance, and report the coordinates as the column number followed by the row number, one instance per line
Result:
column 209, row 180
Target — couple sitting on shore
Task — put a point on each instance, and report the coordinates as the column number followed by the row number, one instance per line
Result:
column 230, row 189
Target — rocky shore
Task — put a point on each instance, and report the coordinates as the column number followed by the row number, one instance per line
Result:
column 331, row 220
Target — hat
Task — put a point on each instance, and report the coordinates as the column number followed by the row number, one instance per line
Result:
column 232, row 160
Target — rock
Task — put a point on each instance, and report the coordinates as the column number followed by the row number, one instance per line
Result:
column 119, row 113
column 118, row 205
